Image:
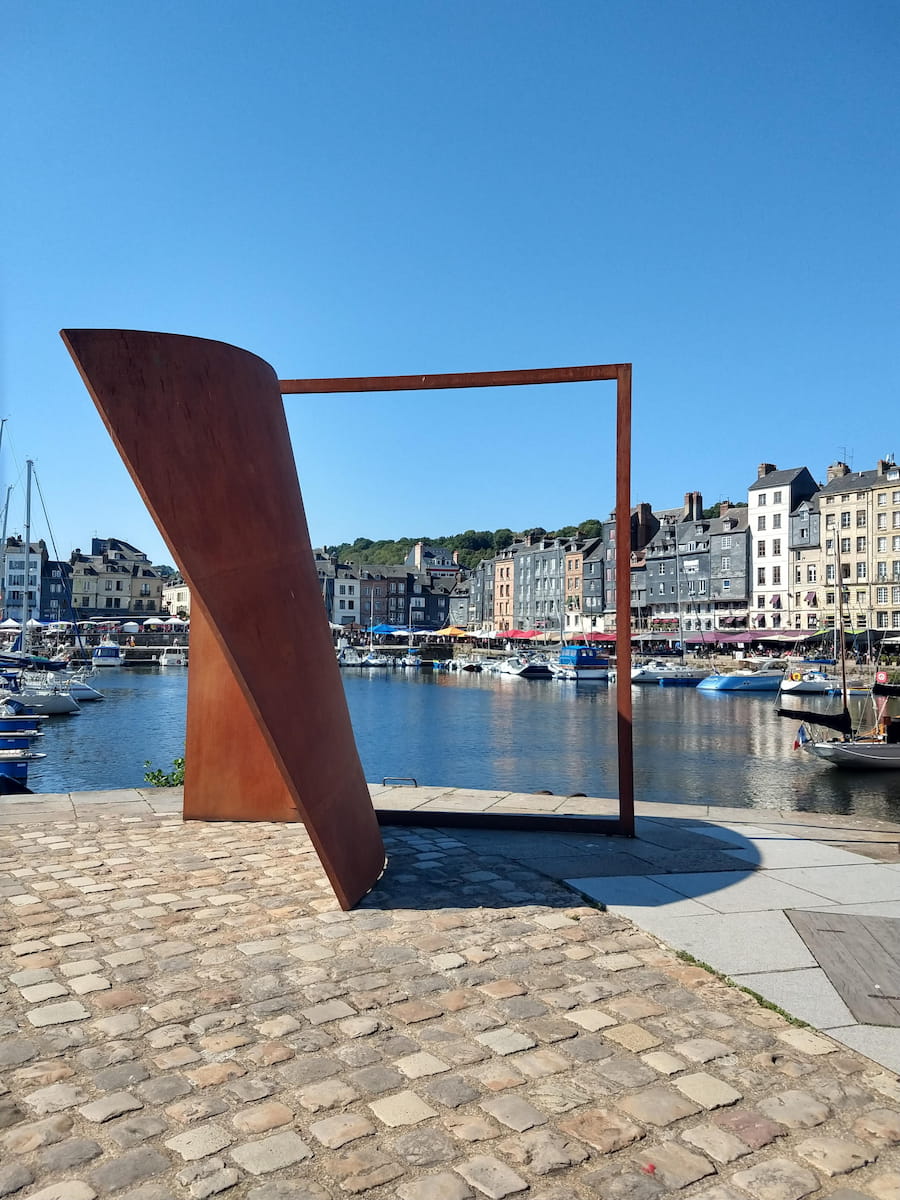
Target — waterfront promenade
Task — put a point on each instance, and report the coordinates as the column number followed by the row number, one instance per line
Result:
column 187, row 1013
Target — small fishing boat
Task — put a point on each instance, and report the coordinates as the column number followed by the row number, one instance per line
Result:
column 108, row 654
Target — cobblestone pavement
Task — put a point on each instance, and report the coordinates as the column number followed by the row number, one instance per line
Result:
column 187, row 1013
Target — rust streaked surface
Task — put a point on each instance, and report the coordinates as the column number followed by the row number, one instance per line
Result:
column 625, row 728
column 201, row 427
column 597, row 372
column 230, row 771
column 416, row 383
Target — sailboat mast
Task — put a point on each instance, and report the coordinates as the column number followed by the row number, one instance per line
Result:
column 678, row 596
column 4, row 560
column 26, row 613
column 839, row 633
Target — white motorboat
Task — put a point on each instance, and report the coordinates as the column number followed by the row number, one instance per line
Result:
column 660, row 671
column 108, row 654
column 811, row 682
column 173, row 656
column 526, row 667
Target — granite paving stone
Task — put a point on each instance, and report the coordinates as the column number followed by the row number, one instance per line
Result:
column 777, row 1179
column 491, row 1177
column 13, row 1177
column 69, row 1189
column 271, row 1153
column 236, row 1034
column 674, row 1165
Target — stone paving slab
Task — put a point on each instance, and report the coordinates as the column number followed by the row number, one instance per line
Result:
column 472, row 1029
column 807, row 994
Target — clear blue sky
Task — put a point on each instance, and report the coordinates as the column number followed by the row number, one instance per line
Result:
column 708, row 190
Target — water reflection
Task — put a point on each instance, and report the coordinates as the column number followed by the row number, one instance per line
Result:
column 500, row 732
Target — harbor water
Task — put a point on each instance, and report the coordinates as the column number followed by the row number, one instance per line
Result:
column 498, row 732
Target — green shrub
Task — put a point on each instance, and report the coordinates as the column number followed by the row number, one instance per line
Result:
column 173, row 778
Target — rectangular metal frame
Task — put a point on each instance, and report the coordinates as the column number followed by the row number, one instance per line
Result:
column 621, row 374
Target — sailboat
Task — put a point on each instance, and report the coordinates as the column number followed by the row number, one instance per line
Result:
column 374, row 658
column 38, row 693
column 874, row 744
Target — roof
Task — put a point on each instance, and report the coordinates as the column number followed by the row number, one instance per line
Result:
column 856, row 481
column 740, row 517
column 779, row 478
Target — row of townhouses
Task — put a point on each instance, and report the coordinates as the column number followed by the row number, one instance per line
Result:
column 115, row 580
column 771, row 564
column 788, row 558
column 415, row 593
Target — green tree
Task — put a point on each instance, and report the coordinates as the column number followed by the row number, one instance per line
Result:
column 590, row 528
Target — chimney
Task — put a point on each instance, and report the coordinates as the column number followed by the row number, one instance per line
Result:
column 837, row 471
column 724, row 506
column 693, row 506
column 885, row 465
column 765, row 469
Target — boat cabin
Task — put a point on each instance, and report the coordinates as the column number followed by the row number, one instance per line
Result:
column 582, row 656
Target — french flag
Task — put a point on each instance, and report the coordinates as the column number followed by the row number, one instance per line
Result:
column 802, row 737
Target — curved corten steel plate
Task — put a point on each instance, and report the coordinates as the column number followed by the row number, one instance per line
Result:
column 201, row 428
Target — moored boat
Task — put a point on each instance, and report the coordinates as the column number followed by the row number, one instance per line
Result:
column 580, row 663
column 14, row 763
column 49, row 699
column 525, row 667
column 108, row 654
column 860, row 753
column 743, row 680
column 873, row 741
column 660, row 671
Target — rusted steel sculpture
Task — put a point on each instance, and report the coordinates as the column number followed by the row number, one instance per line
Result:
column 201, row 427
